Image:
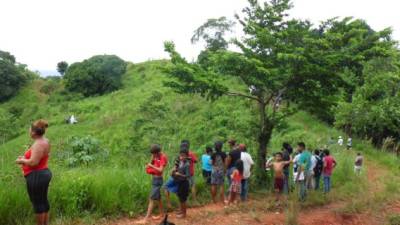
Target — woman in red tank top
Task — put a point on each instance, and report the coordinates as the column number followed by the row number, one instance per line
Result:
column 36, row 171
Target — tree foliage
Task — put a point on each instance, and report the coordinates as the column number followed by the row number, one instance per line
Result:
column 62, row 67
column 375, row 110
column 95, row 76
column 280, row 60
column 12, row 76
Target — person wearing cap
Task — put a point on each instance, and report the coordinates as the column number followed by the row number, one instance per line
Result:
column 247, row 165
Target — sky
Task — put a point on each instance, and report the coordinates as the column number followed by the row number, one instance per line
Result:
column 41, row 33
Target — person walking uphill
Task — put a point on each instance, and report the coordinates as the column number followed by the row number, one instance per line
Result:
column 36, row 171
column 155, row 168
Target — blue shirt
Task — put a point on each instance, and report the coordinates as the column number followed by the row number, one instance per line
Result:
column 206, row 162
column 305, row 160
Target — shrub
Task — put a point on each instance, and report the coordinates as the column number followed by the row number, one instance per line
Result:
column 84, row 151
column 95, row 76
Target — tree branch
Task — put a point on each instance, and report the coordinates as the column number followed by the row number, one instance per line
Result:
column 243, row 96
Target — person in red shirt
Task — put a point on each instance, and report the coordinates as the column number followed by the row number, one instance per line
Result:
column 193, row 161
column 329, row 165
column 155, row 168
column 35, row 169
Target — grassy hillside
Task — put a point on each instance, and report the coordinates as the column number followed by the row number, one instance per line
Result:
column 126, row 122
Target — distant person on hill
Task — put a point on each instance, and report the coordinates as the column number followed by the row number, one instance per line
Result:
column 318, row 169
column 304, row 164
column 340, row 141
column 155, row 168
column 236, row 185
column 193, row 161
column 218, row 171
column 37, row 174
column 349, row 143
column 358, row 163
column 72, row 120
column 182, row 176
column 279, row 176
column 287, row 151
column 247, row 166
column 206, row 165
column 329, row 165
column 233, row 156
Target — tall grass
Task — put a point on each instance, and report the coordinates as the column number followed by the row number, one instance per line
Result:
column 119, row 186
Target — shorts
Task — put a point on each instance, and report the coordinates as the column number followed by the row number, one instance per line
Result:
column 357, row 169
column 217, row 177
column 37, row 183
column 279, row 183
column 171, row 185
column 207, row 176
column 191, row 181
column 156, row 185
column 236, row 187
column 183, row 191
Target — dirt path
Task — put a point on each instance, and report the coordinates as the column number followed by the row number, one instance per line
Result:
column 261, row 211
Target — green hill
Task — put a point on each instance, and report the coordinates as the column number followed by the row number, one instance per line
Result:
column 126, row 122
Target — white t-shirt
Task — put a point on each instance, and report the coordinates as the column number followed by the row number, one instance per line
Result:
column 340, row 141
column 301, row 176
column 247, row 163
column 313, row 163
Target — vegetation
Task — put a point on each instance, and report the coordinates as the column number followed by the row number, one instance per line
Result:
column 281, row 61
column 12, row 76
column 125, row 123
column 95, row 76
column 62, row 67
column 288, row 76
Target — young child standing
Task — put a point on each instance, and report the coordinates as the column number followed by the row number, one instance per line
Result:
column 279, row 176
column 236, row 184
column 181, row 176
column 206, row 165
column 155, row 168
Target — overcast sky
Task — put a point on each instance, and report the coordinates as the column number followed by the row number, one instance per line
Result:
column 41, row 33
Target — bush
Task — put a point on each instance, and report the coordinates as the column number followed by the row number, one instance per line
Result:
column 95, row 76
column 84, row 151
column 12, row 78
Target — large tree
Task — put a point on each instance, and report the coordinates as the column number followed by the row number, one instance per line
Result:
column 62, row 67
column 280, row 61
column 95, row 76
column 12, row 76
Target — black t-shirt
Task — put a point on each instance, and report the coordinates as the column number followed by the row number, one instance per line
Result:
column 235, row 156
column 222, row 154
column 286, row 157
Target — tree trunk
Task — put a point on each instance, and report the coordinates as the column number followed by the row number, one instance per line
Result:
column 266, row 127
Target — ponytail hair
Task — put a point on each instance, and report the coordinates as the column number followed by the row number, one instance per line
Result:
column 39, row 127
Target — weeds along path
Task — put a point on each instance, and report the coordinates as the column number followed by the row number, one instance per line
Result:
column 261, row 210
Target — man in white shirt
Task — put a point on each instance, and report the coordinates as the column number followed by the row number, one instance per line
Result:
column 247, row 164
column 340, row 141
column 310, row 180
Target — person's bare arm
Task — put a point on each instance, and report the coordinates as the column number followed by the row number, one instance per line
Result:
column 38, row 150
column 159, row 169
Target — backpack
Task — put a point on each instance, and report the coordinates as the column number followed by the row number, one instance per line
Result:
column 319, row 166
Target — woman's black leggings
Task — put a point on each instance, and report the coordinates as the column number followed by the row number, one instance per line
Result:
column 37, row 183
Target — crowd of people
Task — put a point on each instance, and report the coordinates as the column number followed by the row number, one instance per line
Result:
column 218, row 170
